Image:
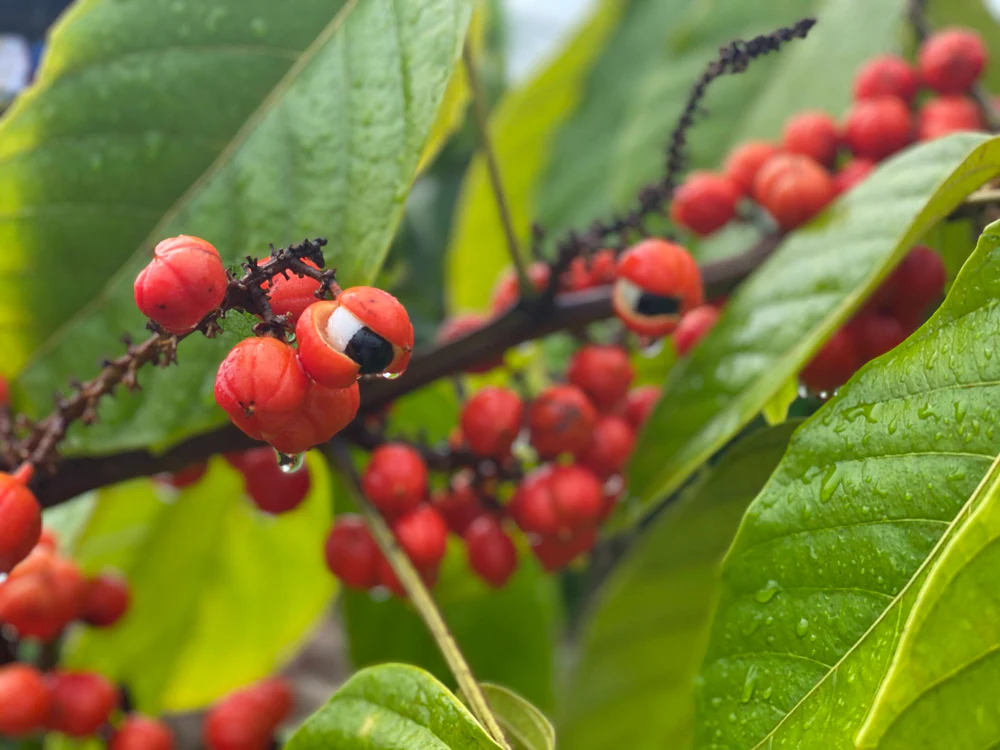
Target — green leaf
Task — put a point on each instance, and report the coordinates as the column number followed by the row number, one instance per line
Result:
column 775, row 411
column 795, row 301
column 831, row 554
column 507, row 635
column 258, row 126
column 523, row 725
column 221, row 594
column 391, row 707
column 522, row 130
column 642, row 643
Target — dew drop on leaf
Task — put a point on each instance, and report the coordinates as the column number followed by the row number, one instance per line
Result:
column 767, row 593
column 802, row 628
column 749, row 684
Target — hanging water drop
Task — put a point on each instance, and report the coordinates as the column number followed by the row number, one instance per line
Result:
column 802, row 628
column 290, row 464
column 749, row 684
column 767, row 593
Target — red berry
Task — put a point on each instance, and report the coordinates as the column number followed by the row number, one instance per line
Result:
column 943, row 115
column 658, row 281
column 874, row 335
column 48, row 541
column 106, row 599
column 532, row 507
column 813, row 134
column 185, row 477
column 461, row 326
column 855, row 171
column 42, row 596
column 693, row 327
column 491, row 551
column 610, row 446
column 459, row 505
column 20, row 521
column 602, row 268
column 886, row 75
column 793, row 189
column 507, row 292
column 561, row 419
column 142, row 733
column 182, row 284
column 919, row 281
column 324, row 413
column 951, row 60
column 878, row 127
column 261, row 386
column 4, row 392
column 290, row 296
column 557, row 552
column 491, row 420
column 396, row 479
column 271, row 489
column 577, row 496
column 25, row 702
column 246, row 719
column 639, row 403
column 833, row 365
column 705, row 202
column 423, row 536
column 351, row 553
column 602, row 372
column 81, row 702
column 745, row 161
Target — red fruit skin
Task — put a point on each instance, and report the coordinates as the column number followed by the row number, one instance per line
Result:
column 639, row 403
column 577, row 496
column 423, row 536
column 874, row 335
column 106, row 599
column 182, row 284
column 461, row 326
column 532, row 507
column 351, row 553
column 951, row 61
column 20, row 522
column 886, row 75
column 25, row 702
column 855, row 171
column 833, row 365
column 48, row 541
column 320, row 361
column 878, row 127
column 693, row 327
column 561, row 419
column 745, row 161
column 81, row 702
column 603, row 268
column 793, row 189
column 246, row 719
column 704, row 202
column 142, row 733
column 290, row 297
column 260, row 385
column 813, row 134
column 919, row 281
column 385, row 315
column 4, row 392
column 556, row 553
column 324, row 413
column 944, row 115
column 395, row 479
column 660, row 269
column 506, row 293
column 603, row 372
column 42, row 596
column 491, row 420
column 272, row 490
column 459, row 506
column 610, row 446
column 185, row 477
column 491, row 551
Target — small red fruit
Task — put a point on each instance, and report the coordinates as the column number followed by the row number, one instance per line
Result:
column 813, row 134
column 351, row 553
column 271, row 489
column 395, row 479
column 878, row 127
column 106, row 599
column 491, row 551
column 874, row 335
column 658, row 281
column 25, row 702
column 292, row 295
column 745, row 161
column 793, row 189
column 461, row 326
column 833, row 365
column 261, row 386
column 561, row 419
column 531, row 507
column 693, row 327
column 951, row 60
column 704, row 202
column 556, row 552
column 20, row 521
column 918, row 281
column 577, row 496
column 423, row 536
column 602, row 372
column 459, row 505
column 42, row 596
column 4, row 392
column 944, row 115
column 246, row 719
column 491, row 420
column 886, row 75
column 603, row 268
column 855, row 171
column 506, row 293
column 324, row 413
column 81, row 702
column 142, row 733
column 610, row 446
column 182, row 284
column 639, row 403
column 185, row 477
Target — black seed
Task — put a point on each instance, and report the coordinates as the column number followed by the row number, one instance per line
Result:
column 654, row 304
column 372, row 352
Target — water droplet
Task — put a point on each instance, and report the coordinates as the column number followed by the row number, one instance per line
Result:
column 716, row 702
column 389, row 375
column 290, row 464
column 749, row 684
column 956, row 476
column 259, row 27
column 766, row 693
column 802, row 628
column 832, row 479
column 767, row 593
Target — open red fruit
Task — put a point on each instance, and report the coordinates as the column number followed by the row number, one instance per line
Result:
column 106, row 599
column 491, row 552
column 395, row 479
column 603, row 372
column 142, row 733
column 290, row 296
column 351, row 553
column 25, row 702
column 81, row 702
column 20, row 521
column 561, row 419
column 658, row 281
column 491, row 420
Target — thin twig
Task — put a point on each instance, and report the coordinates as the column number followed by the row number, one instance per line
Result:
column 339, row 457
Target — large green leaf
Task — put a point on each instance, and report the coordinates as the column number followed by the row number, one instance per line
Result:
column 643, row 642
column 796, row 300
column 241, row 122
column 391, row 707
column 831, row 554
column 222, row 594
column 525, row 727
column 507, row 635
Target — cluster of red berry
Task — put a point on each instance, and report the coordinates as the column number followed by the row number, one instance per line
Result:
column 247, row 718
